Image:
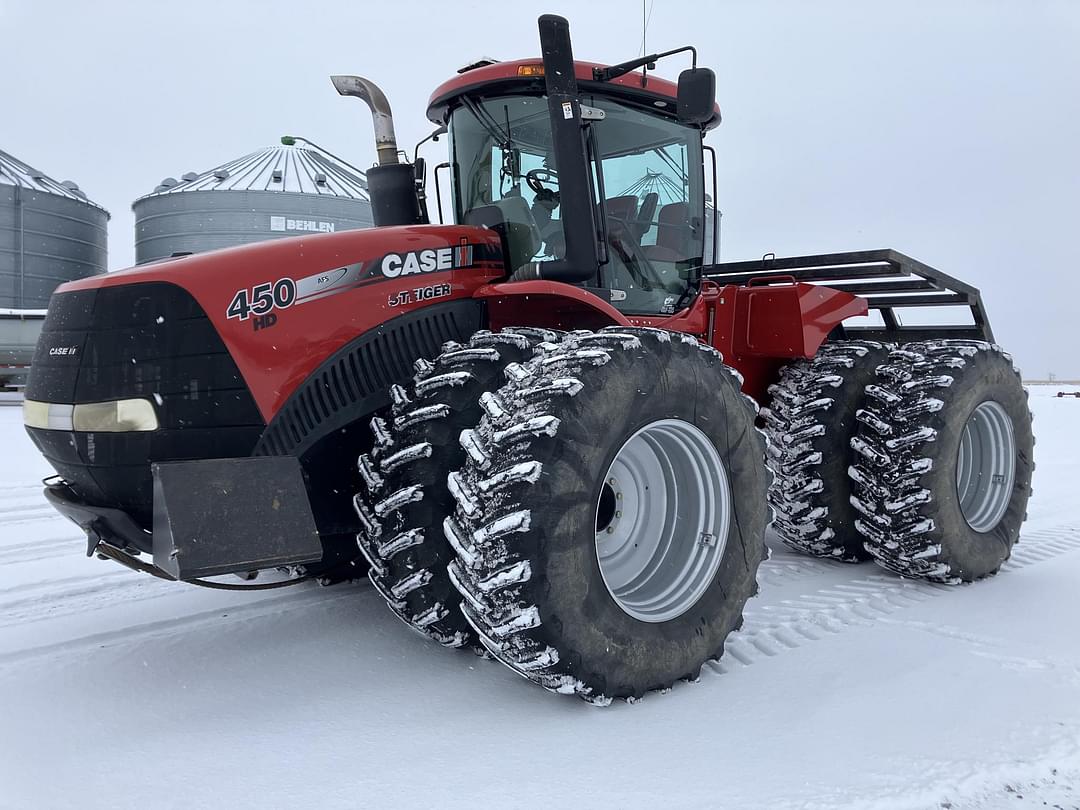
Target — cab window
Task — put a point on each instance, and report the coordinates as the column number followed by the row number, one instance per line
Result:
column 653, row 206
column 647, row 166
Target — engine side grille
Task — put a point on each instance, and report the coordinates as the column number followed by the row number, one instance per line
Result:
column 355, row 380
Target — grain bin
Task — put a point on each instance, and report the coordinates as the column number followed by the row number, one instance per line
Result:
column 284, row 190
column 50, row 232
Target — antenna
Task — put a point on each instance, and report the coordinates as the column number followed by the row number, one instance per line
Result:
column 645, row 18
column 644, row 24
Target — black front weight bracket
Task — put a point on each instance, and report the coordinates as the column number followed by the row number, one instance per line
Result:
column 234, row 515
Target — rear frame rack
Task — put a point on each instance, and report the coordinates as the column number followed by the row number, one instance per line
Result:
column 887, row 279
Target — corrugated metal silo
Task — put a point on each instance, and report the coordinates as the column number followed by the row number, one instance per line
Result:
column 284, row 190
column 50, row 232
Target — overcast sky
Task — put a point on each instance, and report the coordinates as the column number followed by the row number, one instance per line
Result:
column 947, row 130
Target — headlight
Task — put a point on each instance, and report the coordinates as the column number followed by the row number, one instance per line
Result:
column 47, row 415
column 118, row 416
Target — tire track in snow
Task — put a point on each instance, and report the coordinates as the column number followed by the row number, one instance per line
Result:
column 23, row 503
column 21, row 493
column 10, row 516
column 770, row 629
column 112, row 586
column 786, row 567
column 18, row 489
column 1042, row 544
column 57, row 598
column 44, row 549
column 316, row 597
column 54, row 586
column 34, row 601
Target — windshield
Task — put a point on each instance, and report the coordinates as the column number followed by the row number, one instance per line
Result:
column 647, row 166
column 504, row 169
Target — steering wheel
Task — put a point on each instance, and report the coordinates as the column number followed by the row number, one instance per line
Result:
column 547, row 200
column 536, row 178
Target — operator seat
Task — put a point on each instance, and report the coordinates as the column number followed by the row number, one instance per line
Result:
column 511, row 218
column 645, row 215
column 674, row 235
column 623, row 208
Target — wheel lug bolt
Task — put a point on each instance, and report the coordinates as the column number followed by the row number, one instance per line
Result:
column 611, row 530
column 618, row 514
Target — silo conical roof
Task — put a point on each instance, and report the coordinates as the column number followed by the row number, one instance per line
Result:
column 14, row 172
column 281, row 191
column 50, row 232
column 288, row 168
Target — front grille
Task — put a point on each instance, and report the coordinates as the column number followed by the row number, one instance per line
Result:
column 151, row 341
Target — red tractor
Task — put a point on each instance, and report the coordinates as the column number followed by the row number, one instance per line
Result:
column 537, row 429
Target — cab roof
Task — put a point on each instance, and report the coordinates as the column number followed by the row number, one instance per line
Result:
column 526, row 76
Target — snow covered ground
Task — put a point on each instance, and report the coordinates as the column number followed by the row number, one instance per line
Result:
column 847, row 688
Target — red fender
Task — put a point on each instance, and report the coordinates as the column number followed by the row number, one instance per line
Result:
column 549, row 304
column 789, row 320
column 759, row 329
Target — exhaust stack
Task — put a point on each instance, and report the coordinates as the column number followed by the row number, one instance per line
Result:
column 391, row 185
column 370, row 94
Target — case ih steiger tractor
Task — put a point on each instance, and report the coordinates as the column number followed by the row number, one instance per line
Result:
column 537, row 429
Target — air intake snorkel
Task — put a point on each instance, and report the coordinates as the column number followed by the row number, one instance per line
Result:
column 391, row 184
column 578, row 213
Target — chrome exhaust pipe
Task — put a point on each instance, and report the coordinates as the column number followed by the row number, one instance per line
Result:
column 392, row 185
column 383, row 119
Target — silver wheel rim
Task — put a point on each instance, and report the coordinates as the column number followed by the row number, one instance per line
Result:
column 662, row 520
column 986, row 466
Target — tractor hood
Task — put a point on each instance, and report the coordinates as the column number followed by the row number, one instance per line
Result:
column 282, row 306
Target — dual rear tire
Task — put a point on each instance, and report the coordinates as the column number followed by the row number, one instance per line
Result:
column 809, row 421
column 943, row 461
column 405, row 499
column 919, row 457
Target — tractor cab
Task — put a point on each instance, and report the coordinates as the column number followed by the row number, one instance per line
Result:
column 646, row 176
column 604, row 187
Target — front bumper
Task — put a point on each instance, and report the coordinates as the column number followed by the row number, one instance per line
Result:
column 210, row 517
column 101, row 524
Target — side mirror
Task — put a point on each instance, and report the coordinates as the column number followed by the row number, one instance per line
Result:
column 697, row 95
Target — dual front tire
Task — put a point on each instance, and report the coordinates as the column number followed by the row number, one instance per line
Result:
column 607, row 518
column 622, row 561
